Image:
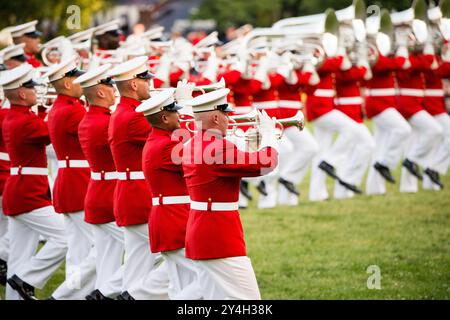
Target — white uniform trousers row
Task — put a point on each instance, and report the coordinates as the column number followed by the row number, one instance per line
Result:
column 4, row 242
column 391, row 132
column 426, row 134
column 80, row 259
column 109, row 244
column 24, row 230
column 439, row 157
column 338, row 153
column 295, row 162
column 228, row 279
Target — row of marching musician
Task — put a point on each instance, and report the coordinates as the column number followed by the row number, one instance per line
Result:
column 111, row 172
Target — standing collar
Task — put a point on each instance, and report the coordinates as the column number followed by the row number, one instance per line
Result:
column 129, row 102
column 68, row 99
column 98, row 109
column 160, row 132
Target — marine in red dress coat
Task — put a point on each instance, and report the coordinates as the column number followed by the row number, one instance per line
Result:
column 128, row 132
column 72, row 180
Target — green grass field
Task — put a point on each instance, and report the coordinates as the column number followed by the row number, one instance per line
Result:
column 322, row 250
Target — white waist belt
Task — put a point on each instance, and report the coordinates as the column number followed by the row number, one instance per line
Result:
column 73, row 164
column 348, row 101
column 131, row 175
column 171, row 200
column 411, row 92
column 266, row 105
column 290, row 104
column 325, row 93
column 215, row 206
column 29, row 171
column 4, row 156
column 434, row 93
column 104, row 175
column 386, row 92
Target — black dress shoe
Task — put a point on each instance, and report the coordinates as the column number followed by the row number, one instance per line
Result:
column 329, row 169
column 289, row 186
column 350, row 187
column 413, row 168
column 96, row 295
column 125, row 296
column 3, row 272
column 434, row 176
column 244, row 190
column 384, row 171
column 261, row 187
column 25, row 290
column 51, row 298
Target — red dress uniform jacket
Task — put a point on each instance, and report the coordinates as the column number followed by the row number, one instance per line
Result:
column 71, row 182
column 31, row 59
column 167, row 222
column 289, row 96
column 128, row 132
column 381, row 89
column 93, row 134
column 267, row 99
column 26, row 137
column 218, row 234
column 411, row 84
column 348, row 94
column 321, row 96
column 434, row 101
column 242, row 91
column 4, row 157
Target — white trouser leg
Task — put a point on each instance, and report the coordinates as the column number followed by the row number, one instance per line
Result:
column 296, row 162
column 355, row 166
column 156, row 284
column 183, row 276
column 440, row 159
column 3, row 234
column 425, row 131
column 37, row 270
column 334, row 153
column 269, row 201
column 392, row 132
column 228, row 279
column 428, row 130
column 318, row 187
column 139, row 260
column 22, row 246
column 109, row 243
column 80, row 259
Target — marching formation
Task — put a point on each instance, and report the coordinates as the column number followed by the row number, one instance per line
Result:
column 129, row 158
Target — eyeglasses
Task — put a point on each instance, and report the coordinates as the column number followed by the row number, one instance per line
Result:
column 107, row 82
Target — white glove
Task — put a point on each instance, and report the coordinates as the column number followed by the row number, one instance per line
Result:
column 184, row 90
column 309, row 68
column 346, row 63
column 261, row 72
column 446, row 53
column 286, row 69
column 428, row 48
column 164, row 68
column 211, row 68
column 267, row 128
column 402, row 51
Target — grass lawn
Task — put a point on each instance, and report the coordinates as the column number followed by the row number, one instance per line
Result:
column 322, row 250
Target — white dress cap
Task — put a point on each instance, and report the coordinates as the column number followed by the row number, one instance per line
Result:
column 28, row 29
column 95, row 76
column 107, row 27
column 81, row 36
column 18, row 77
column 14, row 51
column 214, row 100
column 63, row 69
column 160, row 100
column 134, row 68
